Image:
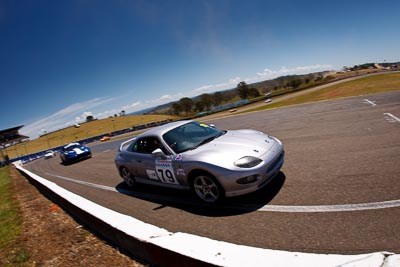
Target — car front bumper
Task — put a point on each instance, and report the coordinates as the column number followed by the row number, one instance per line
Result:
column 265, row 174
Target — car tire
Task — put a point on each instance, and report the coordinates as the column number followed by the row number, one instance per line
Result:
column 207, row 188
column 127, row 176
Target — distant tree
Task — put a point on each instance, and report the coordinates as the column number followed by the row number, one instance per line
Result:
column 295, row 83
column 318, row 78
column 242, row 90
column 89, row 118
column 228, row 95
column 187, row 104
column 328, row 78
column 176, row 108
column 281, row 82
column 207, row 101
column 254, row 92
column 199, row 106
column 122, row 113
column 217, row 98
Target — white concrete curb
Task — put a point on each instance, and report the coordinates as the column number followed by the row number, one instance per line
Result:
column 208, row 251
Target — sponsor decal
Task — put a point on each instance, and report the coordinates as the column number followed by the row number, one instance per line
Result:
column 152, row 174
column 179, row 157
column 180, row 172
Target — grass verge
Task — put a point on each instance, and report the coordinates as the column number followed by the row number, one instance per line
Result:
column 10, row 224
column 363, row 86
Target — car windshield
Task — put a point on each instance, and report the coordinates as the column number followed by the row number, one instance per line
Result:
column 70, row 148
column 190, row 136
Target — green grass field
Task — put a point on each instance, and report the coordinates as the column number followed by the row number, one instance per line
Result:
column 363, row 86
column 9, row 226
column 10, row 220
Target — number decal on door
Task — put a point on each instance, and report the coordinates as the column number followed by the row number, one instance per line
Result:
column 165, row 172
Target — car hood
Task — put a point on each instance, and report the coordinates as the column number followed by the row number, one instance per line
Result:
column 232, row 146
column 77, row 150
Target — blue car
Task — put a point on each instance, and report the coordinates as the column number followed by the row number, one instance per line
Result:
column 74, row 152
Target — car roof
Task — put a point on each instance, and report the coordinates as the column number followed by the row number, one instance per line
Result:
column 72, row 144
column 160, row 130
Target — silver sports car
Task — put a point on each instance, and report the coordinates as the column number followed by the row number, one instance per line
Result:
column 192, row 155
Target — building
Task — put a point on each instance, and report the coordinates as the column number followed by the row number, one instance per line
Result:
column 10, row 137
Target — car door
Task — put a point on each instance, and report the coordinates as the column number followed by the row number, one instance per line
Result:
column 149, row 167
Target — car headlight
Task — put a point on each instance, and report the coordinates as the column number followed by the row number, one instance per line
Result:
column 247, row 162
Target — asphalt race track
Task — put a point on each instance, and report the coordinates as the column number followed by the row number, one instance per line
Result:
column 338, row 192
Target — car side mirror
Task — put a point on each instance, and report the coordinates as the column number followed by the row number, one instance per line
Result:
column 158, row 153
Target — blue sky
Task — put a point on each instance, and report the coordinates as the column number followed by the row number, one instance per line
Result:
column 63, row 60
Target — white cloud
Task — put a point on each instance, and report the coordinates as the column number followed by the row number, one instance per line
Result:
column 204, row 88
column 162, row 100
column 235, row 80
column 266, row 74
column 214, row 87
column 165, row 97
column 271, row 74
column 81, row 118
column 62, row 118
column 129, row 108
column 111, row 112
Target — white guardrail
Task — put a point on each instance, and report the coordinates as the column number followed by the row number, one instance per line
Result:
column 163, row 248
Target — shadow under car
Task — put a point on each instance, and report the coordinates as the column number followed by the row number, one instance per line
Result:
column 186, row 200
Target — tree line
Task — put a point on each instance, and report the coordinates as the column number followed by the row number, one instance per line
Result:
column 189, row 106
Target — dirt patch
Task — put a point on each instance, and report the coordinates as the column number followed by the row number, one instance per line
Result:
column 51, row 237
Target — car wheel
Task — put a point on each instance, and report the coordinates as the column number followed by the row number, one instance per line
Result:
column 64, row 162
column 207, row 188
column 127, row 176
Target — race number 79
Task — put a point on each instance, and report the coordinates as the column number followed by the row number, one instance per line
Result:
column 165, row 172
